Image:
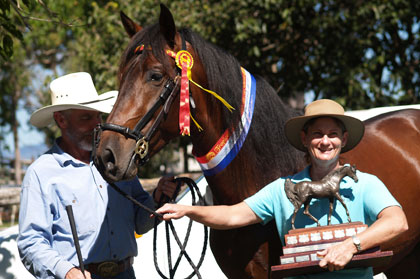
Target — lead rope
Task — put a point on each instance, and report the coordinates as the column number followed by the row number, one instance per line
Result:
column 168, row 225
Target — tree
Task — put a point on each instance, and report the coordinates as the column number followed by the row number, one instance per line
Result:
column 14, row 81
column 361, row 53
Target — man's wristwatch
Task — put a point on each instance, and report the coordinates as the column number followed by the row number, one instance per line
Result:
column 356, row 242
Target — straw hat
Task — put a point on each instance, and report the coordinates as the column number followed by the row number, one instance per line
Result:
column 73, row 91
column 322, row 108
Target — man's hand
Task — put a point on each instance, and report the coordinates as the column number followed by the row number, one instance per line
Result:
column 166, row 186
column 76, row 273
column 336, row 257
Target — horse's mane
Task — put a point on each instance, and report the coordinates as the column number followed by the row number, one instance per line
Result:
column 224, row 77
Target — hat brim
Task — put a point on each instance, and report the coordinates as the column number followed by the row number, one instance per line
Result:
column 354, row 127
column 44, row 116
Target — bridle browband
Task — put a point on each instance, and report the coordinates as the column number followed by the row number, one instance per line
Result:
column 165, row 99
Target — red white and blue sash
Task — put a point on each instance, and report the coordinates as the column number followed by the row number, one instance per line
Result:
column 229, row 145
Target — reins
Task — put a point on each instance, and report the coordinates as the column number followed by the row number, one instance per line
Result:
column 170, row 227
column 179, row 85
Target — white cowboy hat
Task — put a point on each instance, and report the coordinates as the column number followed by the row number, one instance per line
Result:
column 73, row 91
column 324, row 108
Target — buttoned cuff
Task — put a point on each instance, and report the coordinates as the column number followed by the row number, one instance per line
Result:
column 62, row 268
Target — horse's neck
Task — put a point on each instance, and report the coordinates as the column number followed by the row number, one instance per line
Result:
column 335, row 176
column 207, row 113
column 204, row 140
column 263, row 157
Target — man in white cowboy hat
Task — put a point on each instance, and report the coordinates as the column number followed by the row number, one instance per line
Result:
column 322, row 133
column 65, row 175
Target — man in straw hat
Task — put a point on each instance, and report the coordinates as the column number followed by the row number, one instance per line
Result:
column 65, row 175
column 322, row 133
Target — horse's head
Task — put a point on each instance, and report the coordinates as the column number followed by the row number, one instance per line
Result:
column 143, row 119
column 351, row 171
column 150, row 108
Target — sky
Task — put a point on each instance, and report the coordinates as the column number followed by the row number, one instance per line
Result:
column 27, row 135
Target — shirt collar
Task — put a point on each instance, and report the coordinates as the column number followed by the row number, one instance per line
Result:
column 302, row 175
column 63, row 158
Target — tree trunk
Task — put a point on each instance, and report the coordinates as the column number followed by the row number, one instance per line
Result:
column 17, row 164
column 15, row 125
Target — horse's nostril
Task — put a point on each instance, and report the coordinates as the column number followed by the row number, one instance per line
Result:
column 109, row 161
column 109, row 166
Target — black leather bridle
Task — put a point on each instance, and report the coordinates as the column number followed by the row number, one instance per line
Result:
column 165, row 99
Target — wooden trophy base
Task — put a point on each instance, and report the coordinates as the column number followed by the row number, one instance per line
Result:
column 299, row 254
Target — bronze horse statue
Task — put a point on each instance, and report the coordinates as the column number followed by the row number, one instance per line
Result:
column 145, row 118
column 328, row 187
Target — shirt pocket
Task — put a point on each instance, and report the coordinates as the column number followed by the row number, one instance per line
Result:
column 81, row 208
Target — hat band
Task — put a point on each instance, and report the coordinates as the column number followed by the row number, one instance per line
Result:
column 95, row 101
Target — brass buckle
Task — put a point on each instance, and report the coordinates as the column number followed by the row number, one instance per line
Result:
column 108, row 269
column 142, row 147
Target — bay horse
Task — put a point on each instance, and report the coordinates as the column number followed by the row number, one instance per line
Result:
column 328, row 187
column 239, row 151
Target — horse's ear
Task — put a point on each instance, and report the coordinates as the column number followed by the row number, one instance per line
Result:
column 167, row 25
column 129, row 25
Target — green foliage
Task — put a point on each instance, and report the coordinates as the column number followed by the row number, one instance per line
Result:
column 14, row 80
column 364, row 52
column 7, row 30
column 361, row 53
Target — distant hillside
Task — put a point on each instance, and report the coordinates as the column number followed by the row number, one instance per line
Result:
column 33, row 151
column 28, row 152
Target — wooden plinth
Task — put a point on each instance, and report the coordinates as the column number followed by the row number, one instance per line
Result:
column 302, row 244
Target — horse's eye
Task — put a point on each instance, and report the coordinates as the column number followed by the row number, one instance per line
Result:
column 156, row 77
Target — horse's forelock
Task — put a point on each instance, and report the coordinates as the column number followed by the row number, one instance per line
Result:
column 152, row 41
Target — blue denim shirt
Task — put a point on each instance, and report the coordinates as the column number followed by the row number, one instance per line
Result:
column 105, row 220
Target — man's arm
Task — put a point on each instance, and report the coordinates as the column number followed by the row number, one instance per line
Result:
column 165, row 186
column 217, row 217
column 35, row 236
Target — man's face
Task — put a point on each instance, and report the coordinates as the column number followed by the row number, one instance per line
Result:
column 78, row 127
column 324, row 139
